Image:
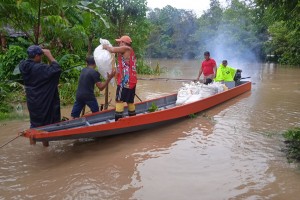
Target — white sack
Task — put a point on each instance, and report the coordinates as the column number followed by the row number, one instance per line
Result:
column 105, row 60
column 193, row 98
column 192, row 92
column 183, row 95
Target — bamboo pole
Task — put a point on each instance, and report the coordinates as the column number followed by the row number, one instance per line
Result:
column 106, row 98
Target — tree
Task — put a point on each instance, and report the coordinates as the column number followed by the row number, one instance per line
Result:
column 127, row 17
column 234, row 32
column 284, row 43
column 283, row 21
column 54, row 23
column 209, row 24
column 286, row 10
column 172, row 34
column 244, row 33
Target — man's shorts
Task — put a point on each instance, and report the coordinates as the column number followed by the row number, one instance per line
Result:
column 125, row 94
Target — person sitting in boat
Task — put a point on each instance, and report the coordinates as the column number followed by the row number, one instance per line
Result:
column 225, row 73
column 89, row 77
column 126, row 76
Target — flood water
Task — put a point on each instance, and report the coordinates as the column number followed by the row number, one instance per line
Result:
column 232, row 151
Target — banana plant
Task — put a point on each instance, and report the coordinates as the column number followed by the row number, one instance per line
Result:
column 58, row 23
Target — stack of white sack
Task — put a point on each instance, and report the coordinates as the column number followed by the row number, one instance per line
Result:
column 192, row 92
column 105, row 60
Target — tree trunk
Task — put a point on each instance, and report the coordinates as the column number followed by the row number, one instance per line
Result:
column 37, row 28
column 106, row 98
column 90, row 45
column 3, row 41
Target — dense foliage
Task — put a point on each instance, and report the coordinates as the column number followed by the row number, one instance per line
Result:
column 127, row 17
column 71, row 30
column 283, row 20
column 172, row 34
column 9, row 85
column 243, row 29
column 236, row 31
column 251, row 30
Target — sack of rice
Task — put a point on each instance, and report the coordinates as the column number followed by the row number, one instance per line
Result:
column 105, row 60
column 183, row 95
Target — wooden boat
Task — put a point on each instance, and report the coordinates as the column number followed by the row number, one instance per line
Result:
column 103, row 124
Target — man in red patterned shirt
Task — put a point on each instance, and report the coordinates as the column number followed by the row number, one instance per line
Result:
column 208, row 68
column 126, row 76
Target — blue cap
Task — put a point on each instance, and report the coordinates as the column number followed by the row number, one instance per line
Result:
column 34, row 50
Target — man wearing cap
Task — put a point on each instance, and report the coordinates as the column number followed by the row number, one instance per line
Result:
column 126, row 76
column 208, row 68
column 41, row 81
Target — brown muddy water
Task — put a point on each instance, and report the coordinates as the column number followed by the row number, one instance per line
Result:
column 232, row 151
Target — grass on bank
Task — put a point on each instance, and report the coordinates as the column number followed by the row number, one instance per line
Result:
column 12, row 116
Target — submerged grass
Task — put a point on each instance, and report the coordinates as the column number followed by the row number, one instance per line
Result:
column 193, row 116
column 13, row 116
column 292, row 141
column 143, row 68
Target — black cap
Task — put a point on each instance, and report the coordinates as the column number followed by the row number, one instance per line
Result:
column 206, row 53
column 34, row 50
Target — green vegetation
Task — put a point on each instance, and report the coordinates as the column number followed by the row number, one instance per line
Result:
column 246, row 29
column 71, row 30
column 67, row 91
column 153, row 108
column 282, row 19
column 193, row 116
column 143, row 68
column 292, row 140
column 4, row 116
column 180, row 34
column 172, row 34
column 11, row 94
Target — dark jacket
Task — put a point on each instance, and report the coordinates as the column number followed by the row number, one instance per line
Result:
column 41, row 81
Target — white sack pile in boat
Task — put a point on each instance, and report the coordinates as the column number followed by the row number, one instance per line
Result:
column 105, row 60
column 192, row 92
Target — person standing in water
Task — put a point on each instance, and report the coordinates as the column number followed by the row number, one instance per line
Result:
column 41, row 81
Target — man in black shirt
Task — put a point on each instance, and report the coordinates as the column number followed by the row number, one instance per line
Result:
column 89, row 77
column 41, row 81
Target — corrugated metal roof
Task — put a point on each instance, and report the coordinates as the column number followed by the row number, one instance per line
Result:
column 13, row 33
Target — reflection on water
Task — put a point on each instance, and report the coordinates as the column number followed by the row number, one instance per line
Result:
column 232, row 151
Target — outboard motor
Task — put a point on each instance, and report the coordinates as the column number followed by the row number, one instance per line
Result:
column 237, row 77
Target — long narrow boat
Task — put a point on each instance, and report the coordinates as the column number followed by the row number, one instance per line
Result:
column 103, row 124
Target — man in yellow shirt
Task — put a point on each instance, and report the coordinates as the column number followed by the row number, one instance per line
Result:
column 225, row 73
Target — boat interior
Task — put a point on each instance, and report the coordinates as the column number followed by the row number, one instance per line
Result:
column 109, row 116
column 104, row 117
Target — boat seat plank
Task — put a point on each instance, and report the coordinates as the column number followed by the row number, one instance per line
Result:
column 64, row 125
column 95, row 119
